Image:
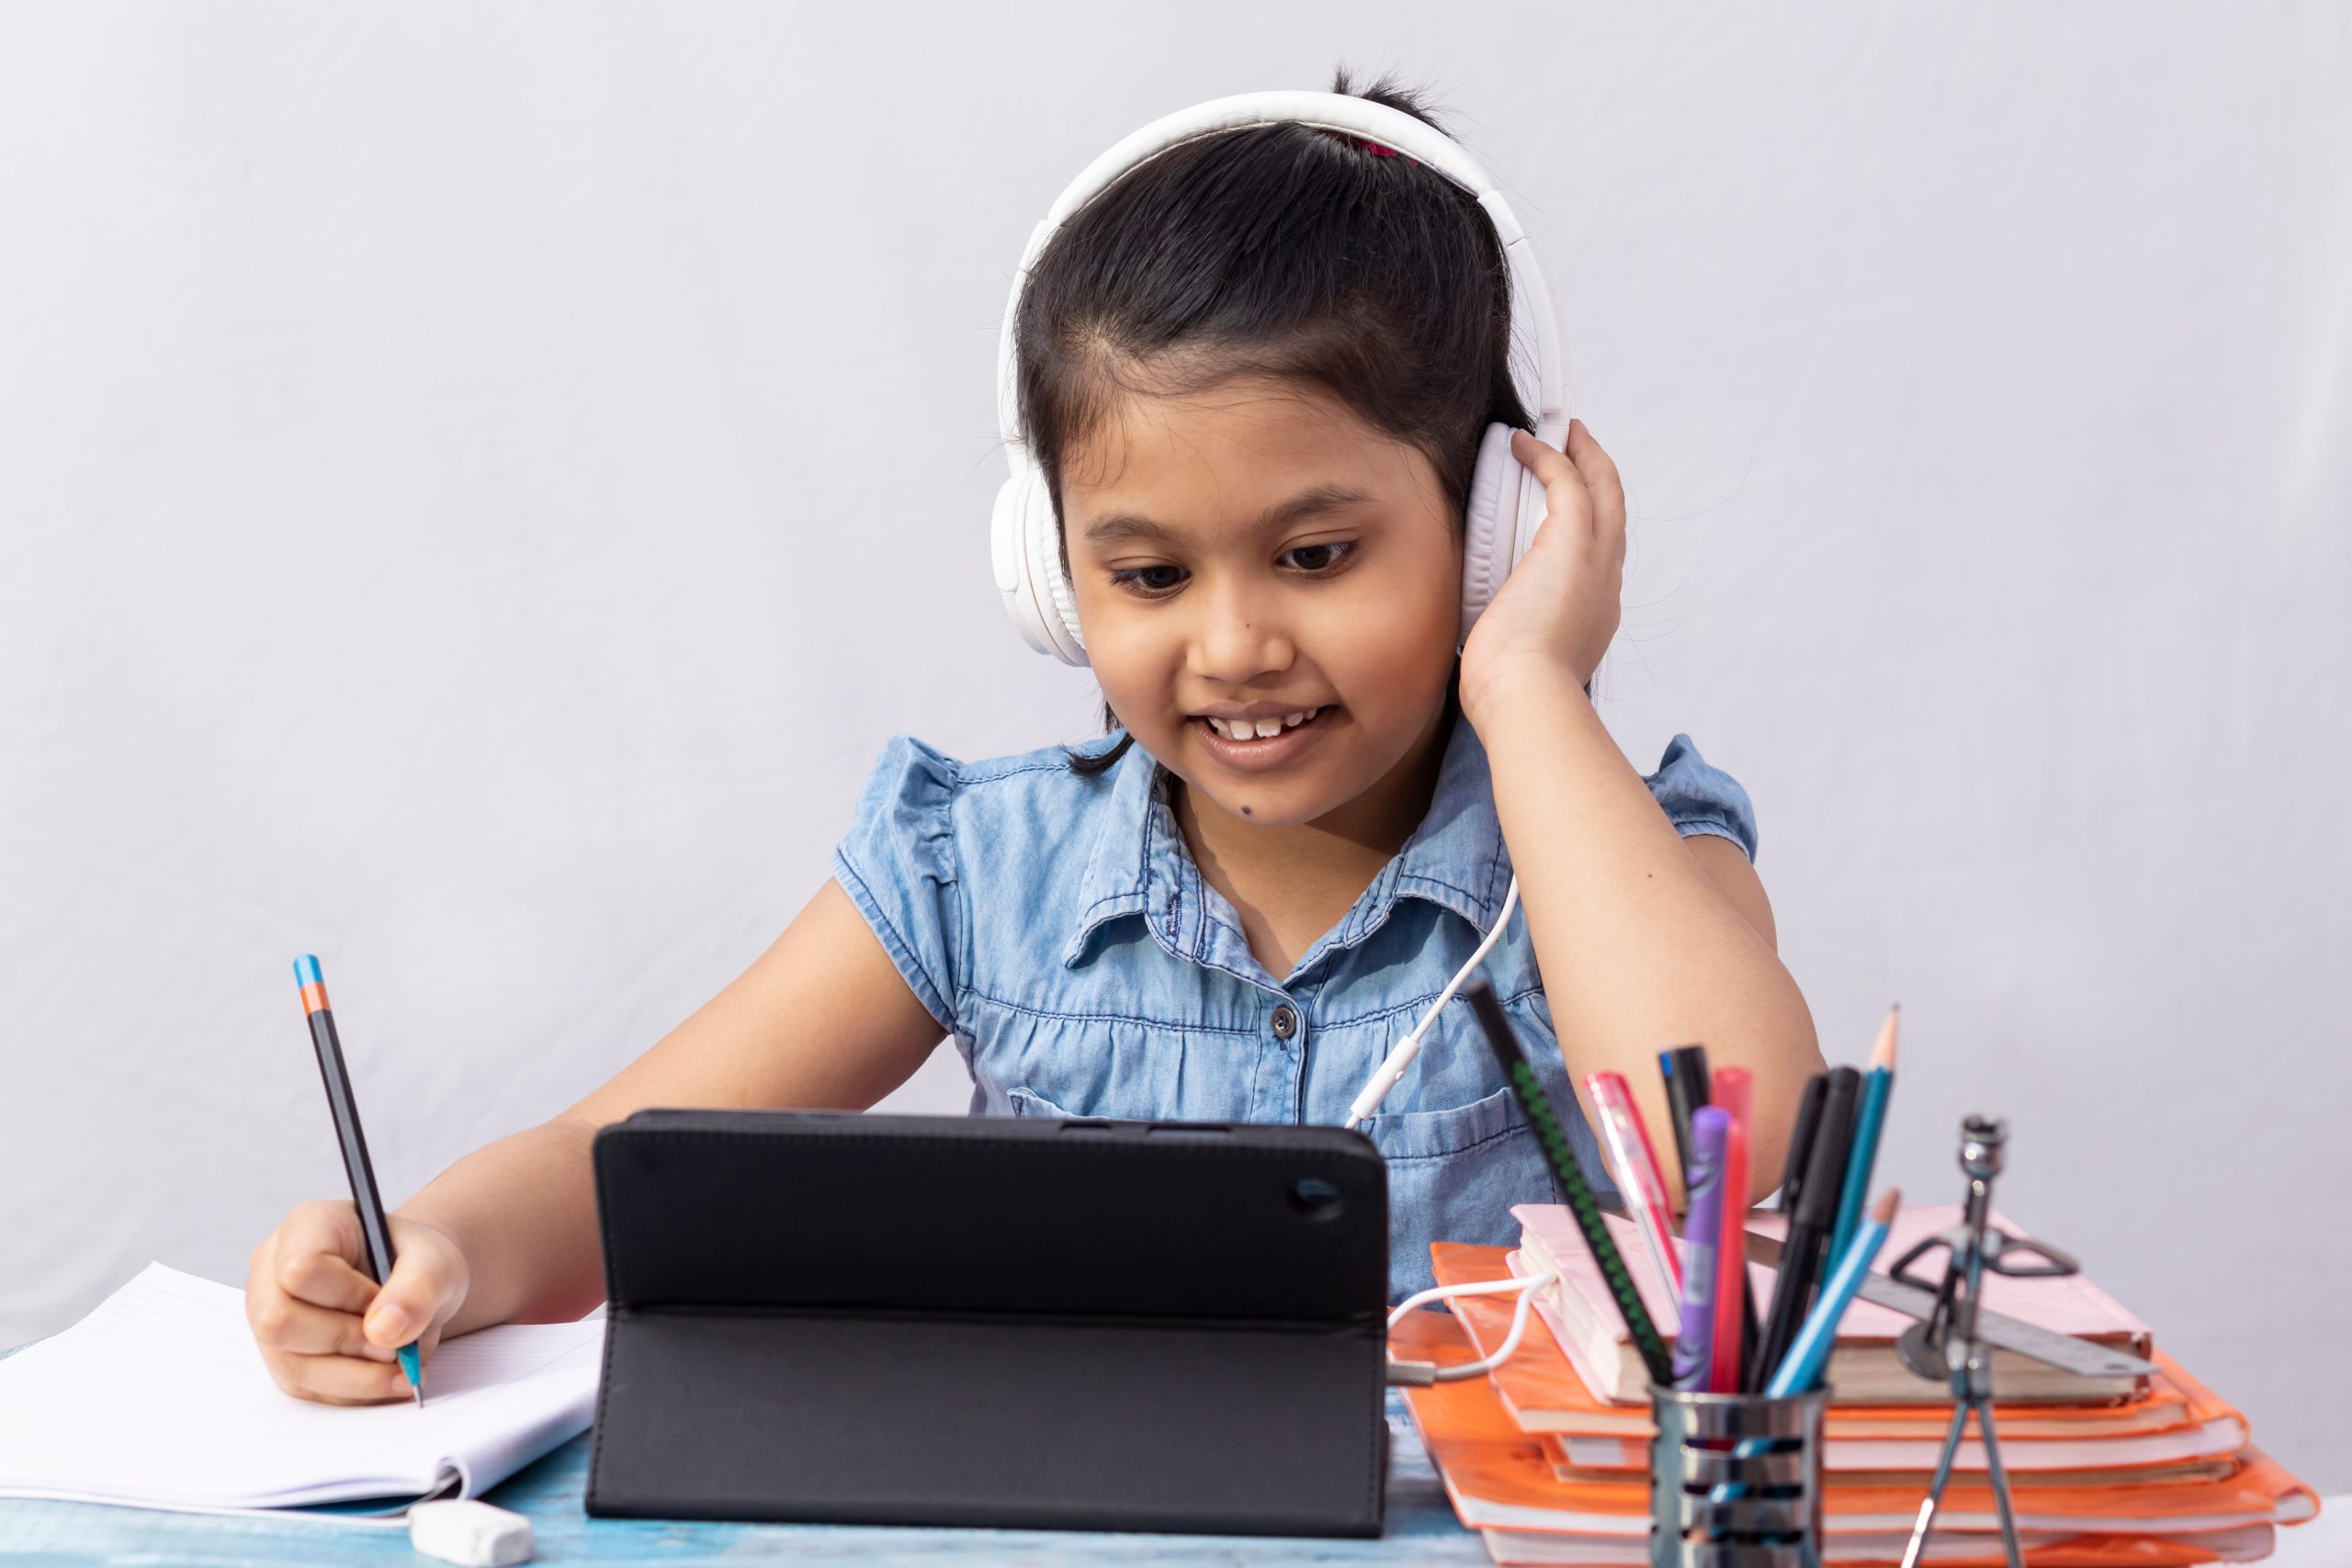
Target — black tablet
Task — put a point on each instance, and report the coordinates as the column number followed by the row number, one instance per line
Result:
column 944, row 1320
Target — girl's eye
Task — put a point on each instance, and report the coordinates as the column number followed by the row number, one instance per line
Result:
column 1134, row 579
column 1158, row 582
column 1326, row 555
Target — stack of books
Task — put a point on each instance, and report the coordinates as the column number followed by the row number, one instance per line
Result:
column 1548, row 1456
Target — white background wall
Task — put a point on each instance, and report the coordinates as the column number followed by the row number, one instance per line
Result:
column 482, row 482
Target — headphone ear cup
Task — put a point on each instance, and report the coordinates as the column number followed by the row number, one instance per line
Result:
column 1490, row 525
column 1057, row 605
column 1009, row 555
column 1022, row 540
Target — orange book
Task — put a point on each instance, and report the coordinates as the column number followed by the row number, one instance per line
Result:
column 1543, row 1392
column 2043, row 1549
column 1499, row 1477
column 2207, row 1448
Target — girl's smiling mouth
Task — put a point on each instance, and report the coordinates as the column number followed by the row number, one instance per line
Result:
column 1296, row 731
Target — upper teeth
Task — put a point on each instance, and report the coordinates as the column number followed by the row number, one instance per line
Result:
column 1252, row 729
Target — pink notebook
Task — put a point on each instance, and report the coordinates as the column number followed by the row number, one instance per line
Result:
column 1863, row 1368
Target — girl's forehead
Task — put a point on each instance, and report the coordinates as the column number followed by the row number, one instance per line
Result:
column 1242, row 446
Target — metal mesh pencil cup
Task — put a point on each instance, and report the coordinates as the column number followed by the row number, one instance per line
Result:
column 1773, row 1519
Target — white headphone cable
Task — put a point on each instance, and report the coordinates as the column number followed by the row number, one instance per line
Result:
column 1383, row 1078
column 1426, row 1372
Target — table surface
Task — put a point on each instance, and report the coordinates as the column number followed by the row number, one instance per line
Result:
column 1420, row 1529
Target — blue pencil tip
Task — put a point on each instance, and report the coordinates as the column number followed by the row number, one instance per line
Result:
column 306, row 971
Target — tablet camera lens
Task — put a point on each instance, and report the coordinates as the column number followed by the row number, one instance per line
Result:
column 1314, row 1198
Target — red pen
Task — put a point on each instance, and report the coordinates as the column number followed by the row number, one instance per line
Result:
column 1638, row 1178
column 1734, row 1091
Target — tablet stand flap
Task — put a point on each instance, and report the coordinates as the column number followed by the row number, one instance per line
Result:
column 941, row 1421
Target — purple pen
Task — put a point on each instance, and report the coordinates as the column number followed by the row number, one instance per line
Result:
column 1694, row 1347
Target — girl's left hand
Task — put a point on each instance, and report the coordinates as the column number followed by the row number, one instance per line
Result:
column 1558, row 608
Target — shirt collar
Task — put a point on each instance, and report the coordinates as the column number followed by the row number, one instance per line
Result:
column 1455, row 858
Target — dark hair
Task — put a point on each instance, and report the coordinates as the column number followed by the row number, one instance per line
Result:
column 1282, row 251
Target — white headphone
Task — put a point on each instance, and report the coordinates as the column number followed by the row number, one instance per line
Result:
column 1505, row 500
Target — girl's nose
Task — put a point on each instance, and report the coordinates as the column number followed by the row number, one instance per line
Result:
column 1239, row 638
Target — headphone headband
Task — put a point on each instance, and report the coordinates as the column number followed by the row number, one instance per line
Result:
column 1506, row 503
column 1530, row 300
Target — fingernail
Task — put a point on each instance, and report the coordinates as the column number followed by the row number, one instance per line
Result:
column 387, row 1326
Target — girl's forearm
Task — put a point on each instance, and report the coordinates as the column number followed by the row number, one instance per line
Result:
column 522, row 1209
column 1639, row 949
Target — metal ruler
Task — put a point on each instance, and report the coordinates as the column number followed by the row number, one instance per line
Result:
column 2083, row 1358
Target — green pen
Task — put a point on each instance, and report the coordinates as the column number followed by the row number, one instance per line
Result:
column 1553, row 1139
column 364, row 1197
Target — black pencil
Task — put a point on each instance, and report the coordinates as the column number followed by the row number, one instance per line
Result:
column 373, row 1227
column 1569, row 1176
column 1816, row 1088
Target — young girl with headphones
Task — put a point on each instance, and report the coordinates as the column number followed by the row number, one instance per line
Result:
column 1270, row 468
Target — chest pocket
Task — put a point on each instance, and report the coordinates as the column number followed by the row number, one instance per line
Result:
column 1427, row 1135
column 1028, row 1102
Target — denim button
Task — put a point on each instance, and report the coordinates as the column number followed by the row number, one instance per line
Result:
column 1285, row 1021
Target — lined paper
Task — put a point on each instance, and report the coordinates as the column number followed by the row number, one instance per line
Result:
column 160, row 1398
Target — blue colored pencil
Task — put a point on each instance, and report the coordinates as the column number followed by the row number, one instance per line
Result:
column 1868, row 1122
column 1800, row 1370
column 1808, row 1355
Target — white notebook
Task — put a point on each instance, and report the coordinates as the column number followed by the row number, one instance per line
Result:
column 159, row 1399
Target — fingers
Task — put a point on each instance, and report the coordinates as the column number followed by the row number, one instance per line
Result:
column 284, row 1324
column 317, row 1254
column 410, row 1300
column 1564, row 488
column 1601, row 481
column 314, row 1350
column 325, row 1331
column 340, row 1380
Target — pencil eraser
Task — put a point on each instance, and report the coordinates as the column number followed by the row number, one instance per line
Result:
column 469, row 1531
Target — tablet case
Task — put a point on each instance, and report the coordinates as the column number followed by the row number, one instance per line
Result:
column 939, row 1320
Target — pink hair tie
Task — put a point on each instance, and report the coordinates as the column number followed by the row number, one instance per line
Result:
column 1372, row 147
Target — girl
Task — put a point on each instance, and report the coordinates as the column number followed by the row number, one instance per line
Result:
column 1254, row 372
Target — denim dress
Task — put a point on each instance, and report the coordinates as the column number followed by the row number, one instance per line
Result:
column 1057, row 929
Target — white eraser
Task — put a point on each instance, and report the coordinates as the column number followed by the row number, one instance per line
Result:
column 469, row 1531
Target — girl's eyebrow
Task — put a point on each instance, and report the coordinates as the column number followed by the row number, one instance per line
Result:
column 1306, row 504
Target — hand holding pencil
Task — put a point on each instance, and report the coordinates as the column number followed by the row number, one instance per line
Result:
column 313, row 1310
column 331, row 1261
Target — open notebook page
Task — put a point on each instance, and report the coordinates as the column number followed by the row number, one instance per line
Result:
column 159, row 1398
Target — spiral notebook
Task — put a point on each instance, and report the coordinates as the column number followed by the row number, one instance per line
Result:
column 159, row 1399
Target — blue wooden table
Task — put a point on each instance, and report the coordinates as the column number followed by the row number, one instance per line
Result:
column 1422, row 1529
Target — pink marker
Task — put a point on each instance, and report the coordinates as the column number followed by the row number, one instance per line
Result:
column 1734, row 1091
column 1636, row 1160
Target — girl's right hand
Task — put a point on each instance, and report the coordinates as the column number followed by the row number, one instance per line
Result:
column 327, row 1332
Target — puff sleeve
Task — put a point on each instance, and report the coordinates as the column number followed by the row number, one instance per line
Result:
column 898, row 864
column 1698, row 798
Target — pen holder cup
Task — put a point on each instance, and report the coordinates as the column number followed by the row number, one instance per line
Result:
column 1736, row 1480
